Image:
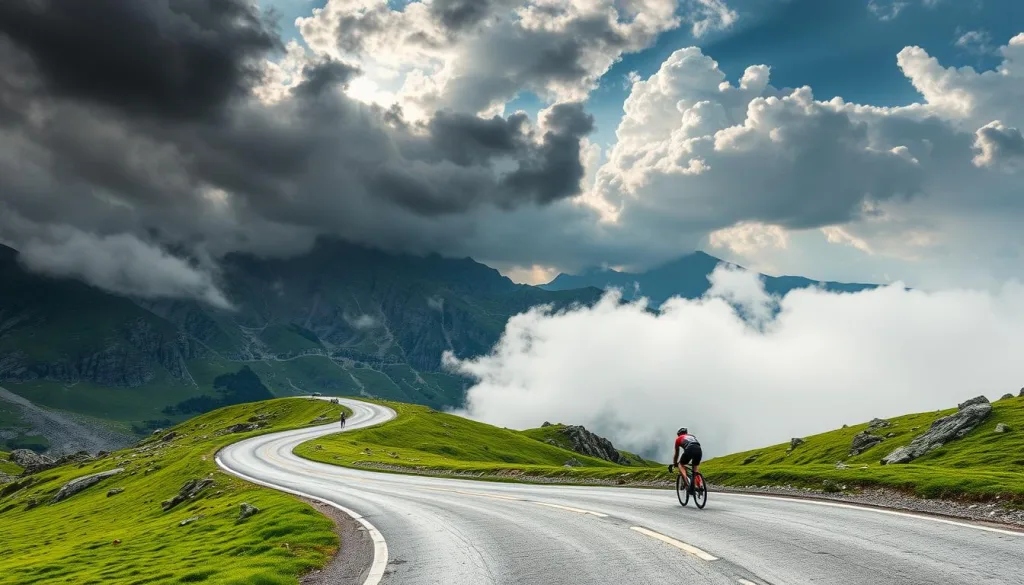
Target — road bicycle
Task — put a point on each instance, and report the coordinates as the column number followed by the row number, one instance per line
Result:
column 700, row 489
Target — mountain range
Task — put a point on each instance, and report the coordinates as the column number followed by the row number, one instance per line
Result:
column 685, row 277
column 340, row 319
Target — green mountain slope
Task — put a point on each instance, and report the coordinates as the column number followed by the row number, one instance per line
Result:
column 686, row 277
column 983, row 464
column 341, row 319
column 423, row 440
column 94, row 537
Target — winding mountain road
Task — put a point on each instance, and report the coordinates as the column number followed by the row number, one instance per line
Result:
column 453, row 532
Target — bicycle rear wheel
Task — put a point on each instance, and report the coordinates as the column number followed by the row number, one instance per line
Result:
column 700, row 491
column 681, row 492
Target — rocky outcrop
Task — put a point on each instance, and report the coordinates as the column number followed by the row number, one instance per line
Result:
column 191, row 489
column 1006, row 396
column 795, row 442
column 30, row 460
column 1002, row 428
column 969, row 415
column 247, row 510
column 4, row 478
column 572, row 462
column 81, row 483
column 878, row 423
column 587, row 443
column 863, row 441
column 114, row 492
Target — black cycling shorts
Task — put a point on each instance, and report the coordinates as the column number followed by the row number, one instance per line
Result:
column 692, row 454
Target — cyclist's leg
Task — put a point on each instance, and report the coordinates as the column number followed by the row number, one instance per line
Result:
column 697, row 456
column 684, row 460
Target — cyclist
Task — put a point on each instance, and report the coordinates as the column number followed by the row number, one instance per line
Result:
column 687, row 451
column 342, row 420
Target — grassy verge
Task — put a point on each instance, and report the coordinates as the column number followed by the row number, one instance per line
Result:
column 7, row 466
column 128, row 538
column 422, row 440
column 983, row 465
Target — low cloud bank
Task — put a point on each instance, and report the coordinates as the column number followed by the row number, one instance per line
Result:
column 743, row 369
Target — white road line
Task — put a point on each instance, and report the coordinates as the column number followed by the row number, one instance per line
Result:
column 380, row 546
column 676, row 543
column 745, row 582
column 922, row 516
column 577, row 510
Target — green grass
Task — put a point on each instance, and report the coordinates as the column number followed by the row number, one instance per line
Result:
column 285, row 539
column 428, row 441
column 981, row 466
column 7, row 466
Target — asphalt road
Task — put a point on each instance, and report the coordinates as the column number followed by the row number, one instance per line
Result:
column 450, row 531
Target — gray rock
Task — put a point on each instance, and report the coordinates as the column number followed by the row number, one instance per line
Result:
column 29, row 459
column 890, row 435
column 243, row 427
column 188, row 491
column 796, row 442
column 1006, row 396
column 81, row 483
column 972, row 401
column 169, row 436
column 1021, row 395
column 247, row 510
column 115, row 491
column 572, row 462
column 4, row 478
column 841, row 465
column 946, row 429
column 863, row 441
column 546, row 424
column 188, row 521
column 587, row 443
column 878, row 423
column 750, row 459
column 1002, row 428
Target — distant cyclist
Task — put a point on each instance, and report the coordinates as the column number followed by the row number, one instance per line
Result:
column 343, row 420
column 687, row 451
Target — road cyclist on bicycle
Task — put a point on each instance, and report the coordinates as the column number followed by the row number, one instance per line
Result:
column 687, row 452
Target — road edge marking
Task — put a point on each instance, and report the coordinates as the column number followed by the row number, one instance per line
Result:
column 852, row 506
column 380, row 546
column 676, row 543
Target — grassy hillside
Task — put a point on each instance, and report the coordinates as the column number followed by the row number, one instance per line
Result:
column 93, row 537
column 7, row 466
column 553, row 434
column 428, row 441
column 982, row 465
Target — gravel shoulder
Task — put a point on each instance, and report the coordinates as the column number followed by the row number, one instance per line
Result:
column 355, row 555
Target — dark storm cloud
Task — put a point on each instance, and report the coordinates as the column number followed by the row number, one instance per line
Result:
column 139, row 118
column 173, row 58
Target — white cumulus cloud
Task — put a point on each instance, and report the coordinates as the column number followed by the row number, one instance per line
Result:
column 822, row 361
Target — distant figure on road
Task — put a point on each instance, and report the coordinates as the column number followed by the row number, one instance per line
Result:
column 343, row 420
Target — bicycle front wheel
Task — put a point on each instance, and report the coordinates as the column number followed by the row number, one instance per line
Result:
column 700, row 491
column 681, row 492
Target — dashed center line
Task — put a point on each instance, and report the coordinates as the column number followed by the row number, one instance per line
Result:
column 676, row 543
column 570, row 509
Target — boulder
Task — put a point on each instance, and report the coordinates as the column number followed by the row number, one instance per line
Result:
column 247, row 510
column 243, row 427
column 547, row 424
column 29, row 459
column 4, row 478
column 972, row 402
column 169, row 436
column 114, row 491
column 81, row 483
column 878, row 423
column 795, row 442
column 188, row 491
column 863, row 441
column 190, row 520
column 1006, row 396
column 587, row 443
column 572, row 462
column 946, row 429
column 1021, row 395
column 1002, row 428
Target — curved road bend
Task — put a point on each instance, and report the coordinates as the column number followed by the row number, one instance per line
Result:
column 451, row 531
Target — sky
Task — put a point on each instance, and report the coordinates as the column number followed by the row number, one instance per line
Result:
column 861, row 140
